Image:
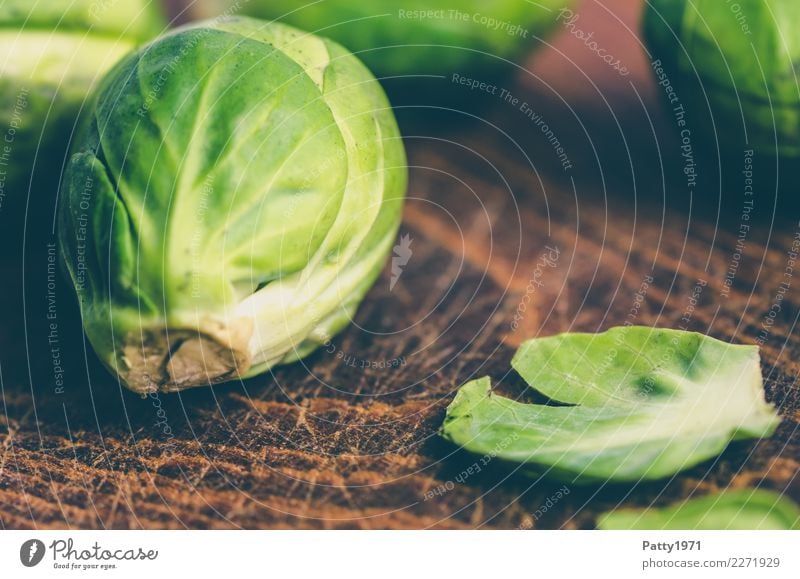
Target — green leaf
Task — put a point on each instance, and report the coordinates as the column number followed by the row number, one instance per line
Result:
column 730, row 510
column 392, row 38
column 643, row 403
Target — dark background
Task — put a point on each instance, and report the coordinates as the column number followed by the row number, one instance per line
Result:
column 331, row 444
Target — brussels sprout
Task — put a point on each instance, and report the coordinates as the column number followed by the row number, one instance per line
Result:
column 236, row 196
column 453, row 35
column 54, row 51
column 734, row 68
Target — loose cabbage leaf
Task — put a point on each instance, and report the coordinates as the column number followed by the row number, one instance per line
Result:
column 636, row 403
column 742, row 510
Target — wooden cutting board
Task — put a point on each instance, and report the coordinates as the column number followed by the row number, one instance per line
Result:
column 506, row 243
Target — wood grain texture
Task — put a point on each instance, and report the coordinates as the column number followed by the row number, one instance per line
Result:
column 347, row 439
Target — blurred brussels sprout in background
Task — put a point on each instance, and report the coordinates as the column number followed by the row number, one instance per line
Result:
column 54, row 52
column 236, row 196
column 734, row 67
column 454, row 34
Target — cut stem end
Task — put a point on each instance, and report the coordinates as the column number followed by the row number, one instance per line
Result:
column 173, row 359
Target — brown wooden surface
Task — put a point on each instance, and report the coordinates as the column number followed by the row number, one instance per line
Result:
column 327, row 444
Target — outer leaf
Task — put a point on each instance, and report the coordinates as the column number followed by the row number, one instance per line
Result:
column 647, row 404
column 730, row 510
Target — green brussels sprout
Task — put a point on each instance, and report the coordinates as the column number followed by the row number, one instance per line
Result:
column 733, row 67
column 237, row 193
column 452, row 35
column 54, row 52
